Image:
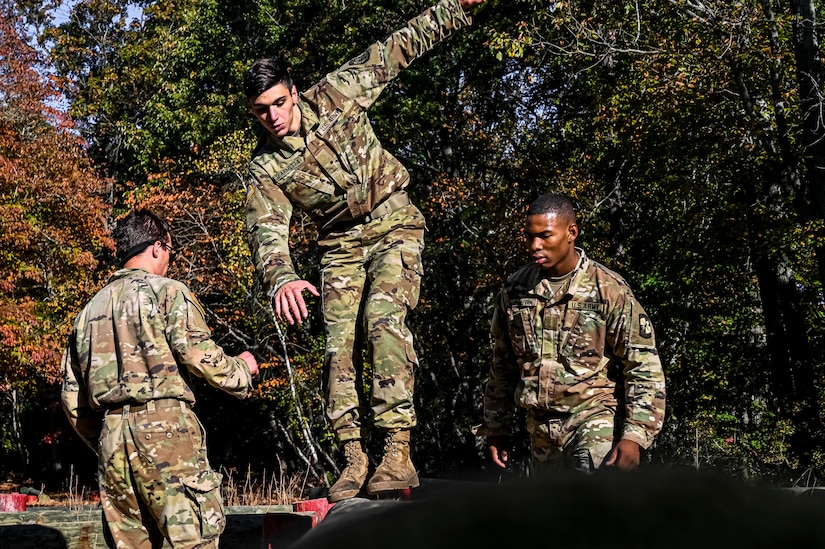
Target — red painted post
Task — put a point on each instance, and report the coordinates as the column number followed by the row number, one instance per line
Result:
column 319, row 506
column 283, row 529
column 12, row 503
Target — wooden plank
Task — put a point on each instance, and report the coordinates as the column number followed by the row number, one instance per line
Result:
column 63, row 528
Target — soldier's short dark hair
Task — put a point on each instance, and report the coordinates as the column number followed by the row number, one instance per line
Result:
column 137, row 231
column 553, row 203
column 265, row 73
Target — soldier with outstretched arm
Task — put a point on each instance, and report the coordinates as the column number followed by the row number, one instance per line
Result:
column 320, row 154
column 573, row 346
column 124, row 394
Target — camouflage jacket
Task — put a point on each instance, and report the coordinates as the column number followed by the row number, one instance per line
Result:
column 336, row 170
column 589, row 345
column 127, row 346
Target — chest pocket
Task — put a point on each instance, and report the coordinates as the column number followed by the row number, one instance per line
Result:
column 585, row 339
column 341, row 135
column 310, row 191
column 521, row 316
column 350, row 132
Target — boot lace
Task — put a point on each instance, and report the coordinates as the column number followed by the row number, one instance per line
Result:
column 391, row 445
column 352, row 451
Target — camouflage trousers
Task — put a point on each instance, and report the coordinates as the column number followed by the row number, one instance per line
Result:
column 155, row 480
column 571, row 441
column 371, row 279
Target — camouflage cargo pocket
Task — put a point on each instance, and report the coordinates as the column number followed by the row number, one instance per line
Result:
column 204, row 493
column 412, row 271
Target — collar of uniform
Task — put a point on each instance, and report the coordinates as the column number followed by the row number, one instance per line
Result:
column 309, row 119
column 578, row 272
column 123, row 273
column 287, row 145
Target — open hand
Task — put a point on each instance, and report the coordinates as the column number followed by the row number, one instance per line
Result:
column 289, row 301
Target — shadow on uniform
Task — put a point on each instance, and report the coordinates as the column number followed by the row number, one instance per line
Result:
column 613, row 510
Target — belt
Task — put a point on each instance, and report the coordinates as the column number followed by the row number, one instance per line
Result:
column 394, row 202
column 150, row 406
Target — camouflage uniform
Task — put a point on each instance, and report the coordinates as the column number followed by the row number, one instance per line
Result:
column 372, row 237
column 124, row 394
column 582, row 361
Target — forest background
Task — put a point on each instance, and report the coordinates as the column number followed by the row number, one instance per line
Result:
column 689, row 133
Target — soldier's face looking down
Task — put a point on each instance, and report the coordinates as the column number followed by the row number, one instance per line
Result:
column 277, row 110
column 551, row 241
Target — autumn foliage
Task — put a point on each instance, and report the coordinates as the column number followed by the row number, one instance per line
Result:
column 53, row 213
column 689, row 135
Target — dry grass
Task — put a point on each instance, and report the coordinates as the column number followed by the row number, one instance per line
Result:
column 266, row 490
column 76, row 495
column 248, row 490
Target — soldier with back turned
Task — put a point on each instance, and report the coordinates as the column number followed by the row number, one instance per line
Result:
column 125, row 396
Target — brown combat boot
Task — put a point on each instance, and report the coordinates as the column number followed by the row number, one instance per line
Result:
column 354, row 474
column 396, row 471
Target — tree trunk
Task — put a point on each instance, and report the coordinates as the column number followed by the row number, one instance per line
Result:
column 17, row 429
column 809, row 75
column 791, row 358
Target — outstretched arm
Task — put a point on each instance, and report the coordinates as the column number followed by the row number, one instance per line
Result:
column 365, row 76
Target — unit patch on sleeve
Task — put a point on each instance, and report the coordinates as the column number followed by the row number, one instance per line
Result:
column 645, row 327
column 360, row 59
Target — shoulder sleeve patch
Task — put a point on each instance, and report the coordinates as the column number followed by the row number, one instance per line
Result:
column 360, row 59
column 197, row 304
column 645, row 327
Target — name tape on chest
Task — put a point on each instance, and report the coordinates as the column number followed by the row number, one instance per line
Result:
column 288, row 169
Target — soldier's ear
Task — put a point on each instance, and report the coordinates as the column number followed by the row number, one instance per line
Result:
column 572, row 232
